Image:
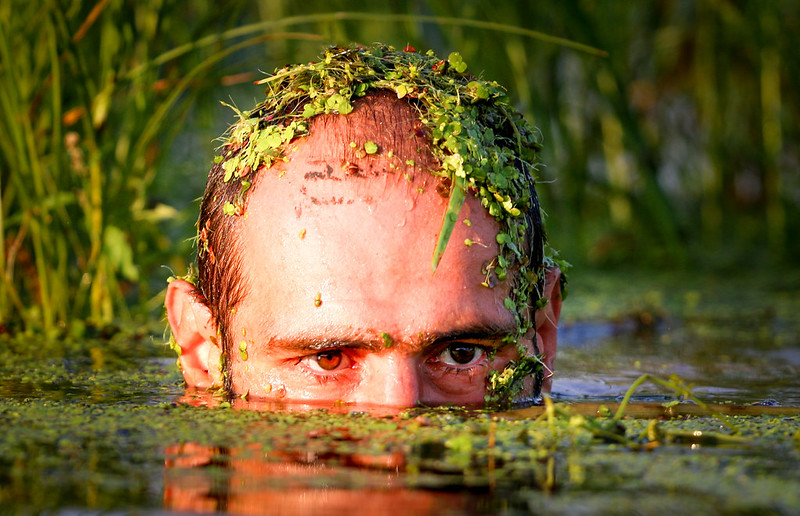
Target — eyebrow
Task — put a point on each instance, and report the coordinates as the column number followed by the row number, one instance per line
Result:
column 367, row 341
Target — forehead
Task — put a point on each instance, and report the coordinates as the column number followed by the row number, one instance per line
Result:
column 325, row 247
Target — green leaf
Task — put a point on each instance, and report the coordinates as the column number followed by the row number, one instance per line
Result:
column 457, row 196
column 481, row 91
column 119, row 252
column 361, row 89
column 309, row 110
column 334, row 101
column 344, row 107
column 245, row 187
column 230, row 167
column 269, row 139
column 401, row 90
column 370, row 148
column 503, row 238
column 457, row 62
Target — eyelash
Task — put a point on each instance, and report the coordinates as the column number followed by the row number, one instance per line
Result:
column 322, row 379
column 457, row 370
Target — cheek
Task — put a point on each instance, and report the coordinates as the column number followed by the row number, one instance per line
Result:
column 447, row 380
column 443, row 383
column 248, row 378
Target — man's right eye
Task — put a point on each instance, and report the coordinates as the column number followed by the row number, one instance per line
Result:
column 326, row 361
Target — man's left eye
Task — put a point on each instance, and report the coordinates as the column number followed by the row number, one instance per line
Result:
column 460, row 354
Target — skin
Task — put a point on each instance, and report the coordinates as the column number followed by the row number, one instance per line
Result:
column 337, row 264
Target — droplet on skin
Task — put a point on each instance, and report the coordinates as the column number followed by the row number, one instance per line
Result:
column 280, row 392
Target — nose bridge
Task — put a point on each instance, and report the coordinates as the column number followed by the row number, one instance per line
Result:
column 390, row 379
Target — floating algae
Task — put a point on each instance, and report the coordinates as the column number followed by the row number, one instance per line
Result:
column 90, row 433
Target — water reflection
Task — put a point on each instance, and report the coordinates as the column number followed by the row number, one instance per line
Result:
column 246, row 480
column 300, row 458
column 200, row 398
column 107, row 437
column 731, row 360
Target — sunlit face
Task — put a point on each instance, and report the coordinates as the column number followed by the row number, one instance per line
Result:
column 341, row 304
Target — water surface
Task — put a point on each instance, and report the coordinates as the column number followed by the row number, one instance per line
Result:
column 100, row 426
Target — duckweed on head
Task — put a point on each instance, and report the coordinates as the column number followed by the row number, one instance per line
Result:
column 388, row 341
column 483, row 146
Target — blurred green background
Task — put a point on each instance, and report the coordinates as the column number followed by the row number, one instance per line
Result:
column 673, row 149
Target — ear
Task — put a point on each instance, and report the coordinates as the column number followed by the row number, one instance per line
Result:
column 196, row 334
column 547, row 324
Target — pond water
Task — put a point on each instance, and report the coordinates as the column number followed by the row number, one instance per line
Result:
column 104, row 426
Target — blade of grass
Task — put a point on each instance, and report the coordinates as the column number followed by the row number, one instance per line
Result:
column 457, row 196
column 158, row 117
column 367, row 17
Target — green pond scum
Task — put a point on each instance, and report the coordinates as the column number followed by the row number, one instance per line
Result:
column 105, row 425
column 76, row 453
column 112, row 438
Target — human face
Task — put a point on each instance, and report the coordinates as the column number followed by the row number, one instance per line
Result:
column 341, row 303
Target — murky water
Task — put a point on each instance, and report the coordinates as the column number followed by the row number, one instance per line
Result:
column 99, row 428
column 601, row 360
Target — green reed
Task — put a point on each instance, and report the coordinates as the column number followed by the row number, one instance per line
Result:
column 90, row 96
column 85, row 124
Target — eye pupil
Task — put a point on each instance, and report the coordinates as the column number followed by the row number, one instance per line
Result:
column 329, row 360
column 462, row 353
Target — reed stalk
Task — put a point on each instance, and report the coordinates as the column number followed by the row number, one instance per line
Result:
column 82, row 141
column 682, row 142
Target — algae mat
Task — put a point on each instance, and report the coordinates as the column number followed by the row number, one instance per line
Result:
column 134, row 448
column 103, row 426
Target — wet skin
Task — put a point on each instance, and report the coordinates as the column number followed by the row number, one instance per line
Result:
column 341, row 303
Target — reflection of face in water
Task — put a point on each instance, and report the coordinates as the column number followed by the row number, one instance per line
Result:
column 253, row 478
column 277, row 458
column 339, row 302
column 245, row 481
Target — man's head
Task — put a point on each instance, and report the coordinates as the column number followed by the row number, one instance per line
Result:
column 322, row 266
